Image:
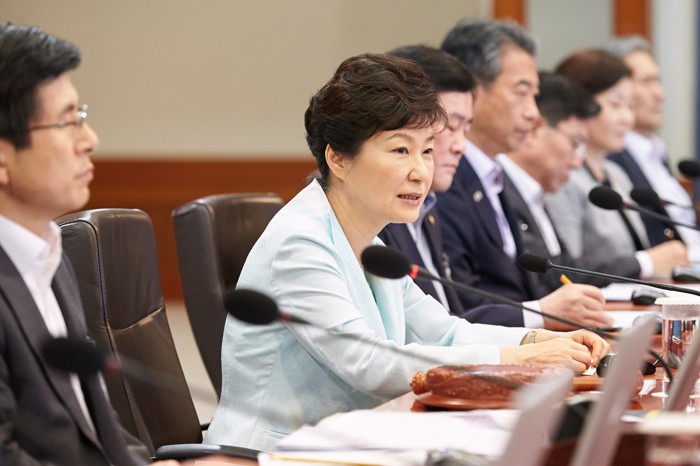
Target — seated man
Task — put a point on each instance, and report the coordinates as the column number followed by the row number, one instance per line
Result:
column 644, row 157
column 47, row 416
column 541, row 165
column 421, row 241
column 480, row 233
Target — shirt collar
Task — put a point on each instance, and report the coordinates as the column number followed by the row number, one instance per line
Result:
column 31, row 254
column 487, row 169
column 644, row 148
column 527, row 186
column 427, row 206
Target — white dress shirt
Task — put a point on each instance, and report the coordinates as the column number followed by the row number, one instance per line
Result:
column 533, row 195
column 490, row 174
column 416, row 231
column 651, row 156
column 36, row 261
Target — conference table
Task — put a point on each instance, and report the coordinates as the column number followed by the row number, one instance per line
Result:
column 630, row 450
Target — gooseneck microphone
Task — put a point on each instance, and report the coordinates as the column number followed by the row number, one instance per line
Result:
column 73, row 355
column 609, row 199
column 391, row 263
column 540, row 264
column 255, row 308
column 689, row 168
column 387, row 262
column 83, row 358
column 646, row 196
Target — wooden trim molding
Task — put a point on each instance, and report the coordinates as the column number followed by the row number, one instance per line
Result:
column 632, row 17
column 159, row 186
column 629, row 16
column 509, row 9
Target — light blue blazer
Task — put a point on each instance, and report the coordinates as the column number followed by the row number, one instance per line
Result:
column 375, row 333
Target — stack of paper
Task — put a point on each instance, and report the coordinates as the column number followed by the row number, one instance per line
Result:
column 368, row 437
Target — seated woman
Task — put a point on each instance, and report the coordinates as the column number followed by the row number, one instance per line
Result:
column 370, row 129
column 587, row 230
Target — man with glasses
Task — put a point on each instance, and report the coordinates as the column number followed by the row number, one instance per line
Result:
column 644, row 157
column 421, row 241
column 541, row 165
column 480, row 234
column 46, row 416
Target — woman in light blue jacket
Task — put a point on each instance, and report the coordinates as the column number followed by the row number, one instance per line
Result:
column 370, row 129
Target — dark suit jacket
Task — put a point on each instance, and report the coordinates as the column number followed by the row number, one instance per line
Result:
column 473, row 242
column 533, row 242
column 40, row 419
column 658, row 231
column 398, row 236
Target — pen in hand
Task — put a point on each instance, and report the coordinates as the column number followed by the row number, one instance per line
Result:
column 564, row 280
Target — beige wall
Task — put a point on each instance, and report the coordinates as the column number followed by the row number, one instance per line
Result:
column 222, row 78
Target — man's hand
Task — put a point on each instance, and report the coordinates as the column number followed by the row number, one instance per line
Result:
column 582, row 304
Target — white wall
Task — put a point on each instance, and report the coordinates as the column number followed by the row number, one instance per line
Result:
column 673, row 33
column 563, row 26
column 222, row 77
column 229, row 78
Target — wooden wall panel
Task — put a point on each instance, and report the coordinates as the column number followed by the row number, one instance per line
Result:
column 509, row 9
column 632, row 17
column 629, row 16
column 159, row 186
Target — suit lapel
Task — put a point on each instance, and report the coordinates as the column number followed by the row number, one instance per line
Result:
column 431, row 229
column 633, row 170
column 512, row 220
column 31, row 322
column 475, row 191
column 110, row 441
column 524, row 219
column 433, row 237
column 398, row 235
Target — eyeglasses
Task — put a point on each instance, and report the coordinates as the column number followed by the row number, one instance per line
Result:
column 80, row 117
column 577, row 144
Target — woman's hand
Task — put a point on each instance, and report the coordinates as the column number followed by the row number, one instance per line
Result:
column 596, row 345
column 575, row 350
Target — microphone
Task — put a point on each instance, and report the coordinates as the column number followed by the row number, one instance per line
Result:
column 83, row 358
column 647, row 196
column 609, row 199
column 541, row 264
column 387, row 262
column 689, row 168
column 255, row 308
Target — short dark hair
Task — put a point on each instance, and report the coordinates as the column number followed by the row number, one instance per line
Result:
column 480, row 43
column 367, row 94
column 28, row 58
column 594, row 69
column 560, row 99
column 445, row 71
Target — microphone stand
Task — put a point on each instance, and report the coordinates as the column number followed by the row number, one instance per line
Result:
column 425, row 275
column 420, row 273
column 662, row 286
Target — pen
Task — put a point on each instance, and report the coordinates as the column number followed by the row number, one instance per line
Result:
column 564, row 279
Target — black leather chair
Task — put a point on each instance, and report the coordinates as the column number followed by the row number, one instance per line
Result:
column 214, row 235
column 113, row 252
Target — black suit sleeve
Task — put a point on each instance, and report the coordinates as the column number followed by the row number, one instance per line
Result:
column 494, row 314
